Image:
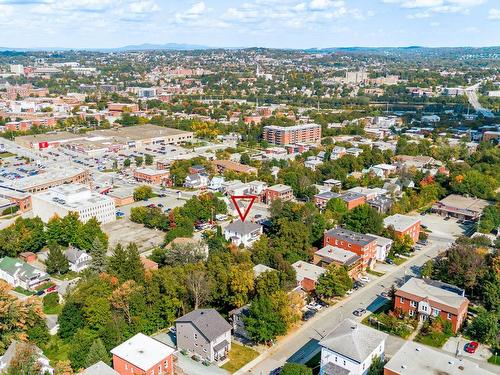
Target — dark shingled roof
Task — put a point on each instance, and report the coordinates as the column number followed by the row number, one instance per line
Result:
column 208, row 321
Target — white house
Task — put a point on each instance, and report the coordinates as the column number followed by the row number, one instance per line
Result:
column 350, row 348
column 18, row 273
column 312, row 162
column 244, row 233
column 196, row 181
column 216, row 183
column 383, row 247
column 78, row 259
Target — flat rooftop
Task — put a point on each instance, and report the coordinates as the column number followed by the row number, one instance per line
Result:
column 418, row 359
column 44, row 177
column 464, row 203
column 307, row 270
column 338, row 255
column 350, row 236
column 400, row 222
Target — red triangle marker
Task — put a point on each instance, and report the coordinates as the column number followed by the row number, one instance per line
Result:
column 250, row 198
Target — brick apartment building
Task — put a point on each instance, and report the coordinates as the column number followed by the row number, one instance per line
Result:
column 430, row 298
column 280, row 191
column 363, row 245
column 143, row 355
column 285, row 135
column 151, row 176
column 404, row 225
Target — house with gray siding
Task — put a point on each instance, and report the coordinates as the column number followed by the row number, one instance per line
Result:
column 205, row 333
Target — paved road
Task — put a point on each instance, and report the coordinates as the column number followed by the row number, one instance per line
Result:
column 471, row 93
column 301, row 343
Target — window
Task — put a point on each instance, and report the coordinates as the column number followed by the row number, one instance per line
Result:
column 413, row 304
column 412, row 312
column 449, row 316
column 435, row 312
column 196, row 336
column 344, row 363
column 401, row 299
column 126, row 366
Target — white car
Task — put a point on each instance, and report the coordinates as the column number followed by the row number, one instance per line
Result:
column 314, row 306
column 365, row 279
column 220, row 217
column 349, row 292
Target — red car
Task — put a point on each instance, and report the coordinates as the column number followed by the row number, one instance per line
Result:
column 471, row 347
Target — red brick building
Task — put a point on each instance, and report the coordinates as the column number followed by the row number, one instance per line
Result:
column 429, row 299
column 151, row 176
column 404, row 225
column 279, row 191
column 362, row 245
column 353, row 199
column 143, row 355
column 285, row 135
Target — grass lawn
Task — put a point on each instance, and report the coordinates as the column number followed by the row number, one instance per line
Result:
column 5, row 155
column 375, row 273
column 382, row 321
column 238, row 357
column 398, row 260
column 435, row 339
column 495, row 359
column 18, row 289
column 53, row 310
column 56, row 350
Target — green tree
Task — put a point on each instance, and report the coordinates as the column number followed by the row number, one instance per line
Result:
column 142, row 193
column 126, row 264
column 490, row 219
column 363, row 219
column 56, row 262
column 97, row 352
column 485, row 327
column 139, row 160
column 337, row 208
column 70, row 319
column 377, row 367
column 38, row 333
column 335, row 282
column 245, row 159
column 427, row 268
column 263, row 322
column 24, row 361
column 88, row 232
column 148, row 160
column 295, row 369
column 127, row 163
column 98, row 253
column 80, row 346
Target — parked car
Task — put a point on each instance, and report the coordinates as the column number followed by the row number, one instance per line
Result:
column 365, row 279
column 160, row 205
column 220, row 217
column 471, row 347
column 359, row 312
column 422, row 242
column 385, row 294
column 349, row 292
column 172, row 330
column 358, row 284
column 314, row 306
column 308, row 315
column 389, row 261
column 446, row 218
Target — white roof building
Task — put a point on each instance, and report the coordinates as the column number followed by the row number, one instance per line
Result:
column 142, row 351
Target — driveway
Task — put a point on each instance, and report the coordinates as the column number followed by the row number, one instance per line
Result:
column 456, row 345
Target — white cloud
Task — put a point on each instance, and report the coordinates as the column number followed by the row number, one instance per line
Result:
column 192, row 13
column 426, row 8
column 494, row 14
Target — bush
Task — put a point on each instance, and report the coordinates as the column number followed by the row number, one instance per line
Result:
column 295, row 369
column 10, row 210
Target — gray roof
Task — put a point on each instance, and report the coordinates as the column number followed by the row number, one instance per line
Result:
column 336, row 254
column 208, row 321
column 73, row 254
column 401, row 222
column 332, row 369
column 350, row 196
column 417, row 359
column 244, row 227
column 353, row 340
column 327, row 195
column 350, row 236
column 100, row 368
column 221, row 345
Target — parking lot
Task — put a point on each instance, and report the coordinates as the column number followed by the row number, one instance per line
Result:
column 124, row 231
column 456, row 345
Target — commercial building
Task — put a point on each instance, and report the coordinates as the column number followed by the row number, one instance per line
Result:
column 404, row 225
column 362, row 245
column 429, row 299
column 62, row 200
column 279, row 191
column 48, row 178
column 142, row 354
column 151, row 176
column 228, row 165
column 417, row 359
column 350, row 349
column 122, row 196
column 285, row 135
column 335, row 255
column 460, row 207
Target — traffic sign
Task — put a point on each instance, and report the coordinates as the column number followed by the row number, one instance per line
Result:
column 243, row 211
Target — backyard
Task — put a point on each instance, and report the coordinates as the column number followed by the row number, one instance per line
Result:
column 238, row 357
column 385, row 320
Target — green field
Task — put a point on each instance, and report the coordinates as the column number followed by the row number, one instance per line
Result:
column 238, row 357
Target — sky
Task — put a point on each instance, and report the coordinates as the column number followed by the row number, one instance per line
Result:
column 249, row 23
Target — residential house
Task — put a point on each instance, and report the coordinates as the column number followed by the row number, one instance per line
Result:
column 216, row 183
column 205, row 333
column 78, row 259
column 363, row 245
column 321, row 199
column 196, row 181
column 350, row 348
column 335, row 255
column 99, row 368
column 312, row 162
column 427, row 298
column 338, row 152
column 278, row 191
column 19, row 347
column 414, row 358
column 242, row 233
column 404, row 225
column 382, row 170
column 237, row 319
column 384, row 245
column 352, row 199
column 307, row 274
column 354, row 151
column 333, row 184
column 18, row 273
column 382, row 204
column 368, row 193
column 259, row 269
column 142, row 354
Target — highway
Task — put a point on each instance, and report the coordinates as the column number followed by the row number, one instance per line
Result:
column 301, row 344
column 471, row 93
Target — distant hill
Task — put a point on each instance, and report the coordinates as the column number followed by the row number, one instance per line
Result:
column 138, row 47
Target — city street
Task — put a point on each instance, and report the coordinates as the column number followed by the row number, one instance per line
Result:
column 302, row 343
